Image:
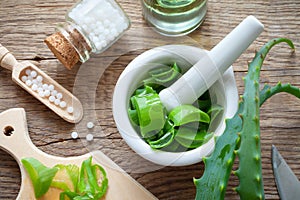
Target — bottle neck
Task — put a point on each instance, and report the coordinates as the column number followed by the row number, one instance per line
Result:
column 77, row 39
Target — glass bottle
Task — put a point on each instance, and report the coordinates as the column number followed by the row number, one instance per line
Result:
column 91, row 26
column 174, row 17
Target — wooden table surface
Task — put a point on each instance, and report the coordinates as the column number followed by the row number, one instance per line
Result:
column 25, row 24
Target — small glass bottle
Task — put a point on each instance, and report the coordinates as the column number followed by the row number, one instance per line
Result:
column 91, row 26
column 174, row 17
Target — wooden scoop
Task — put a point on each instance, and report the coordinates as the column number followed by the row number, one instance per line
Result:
column 8, row 61
column 15, row 140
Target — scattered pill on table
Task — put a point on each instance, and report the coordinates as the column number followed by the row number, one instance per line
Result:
column 89, row 137
column 90, row 125
column 74, row 135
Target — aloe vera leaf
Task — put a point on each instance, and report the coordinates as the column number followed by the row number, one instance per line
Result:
column 250, row 168
column 213, row 183
column 150, row 112
column 205, row 182
column 269, row 91
column 166, row 139
column 184, row 114
column 40, row 175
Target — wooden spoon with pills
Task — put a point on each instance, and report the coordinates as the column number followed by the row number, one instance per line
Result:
column 42, row 87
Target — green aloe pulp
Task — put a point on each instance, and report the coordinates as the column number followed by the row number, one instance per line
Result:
column 87, row 183
column 40, row 175
column 185, row 127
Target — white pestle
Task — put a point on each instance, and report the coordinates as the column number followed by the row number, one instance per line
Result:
column 212, row 66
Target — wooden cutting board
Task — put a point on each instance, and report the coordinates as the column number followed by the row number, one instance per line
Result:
column 14, row 139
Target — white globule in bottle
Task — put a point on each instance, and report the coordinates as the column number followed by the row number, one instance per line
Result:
column 91, row 26
column 101, row 20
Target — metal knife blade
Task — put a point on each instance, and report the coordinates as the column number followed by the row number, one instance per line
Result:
column 288, row 185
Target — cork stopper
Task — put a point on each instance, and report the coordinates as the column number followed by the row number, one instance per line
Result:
column 63, row 50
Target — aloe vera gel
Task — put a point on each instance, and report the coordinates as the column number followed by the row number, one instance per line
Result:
column 174, row 17
column 186, row 127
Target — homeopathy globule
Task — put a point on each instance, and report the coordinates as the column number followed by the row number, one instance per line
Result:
column 91, row 26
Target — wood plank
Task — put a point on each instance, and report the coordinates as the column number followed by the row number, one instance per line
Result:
column 23, row 27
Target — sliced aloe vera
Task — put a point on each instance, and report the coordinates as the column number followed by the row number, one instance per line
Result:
column 92, row 180
column 190, row 138
column 215, row 111
column 66, row 177
column 204, row 104
column 184, row 114
column 150, row 112
column 133, row 116
column 164, row 141
column 40, row 175
column 163, row 76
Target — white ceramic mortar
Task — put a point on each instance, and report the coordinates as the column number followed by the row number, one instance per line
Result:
column 224, row 91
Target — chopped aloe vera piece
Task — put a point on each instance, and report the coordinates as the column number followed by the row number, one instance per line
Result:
column 163, row 76
column 133, row 116
column 165, row 140
column 204, row 104
column 150, row 112
column 190, row 138
column 40, row 175
column 92, row 182
column 66, row 177
column 184, row 114
column 215, row 111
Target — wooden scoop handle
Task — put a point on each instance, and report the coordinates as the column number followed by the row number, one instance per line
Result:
column 7, row 60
